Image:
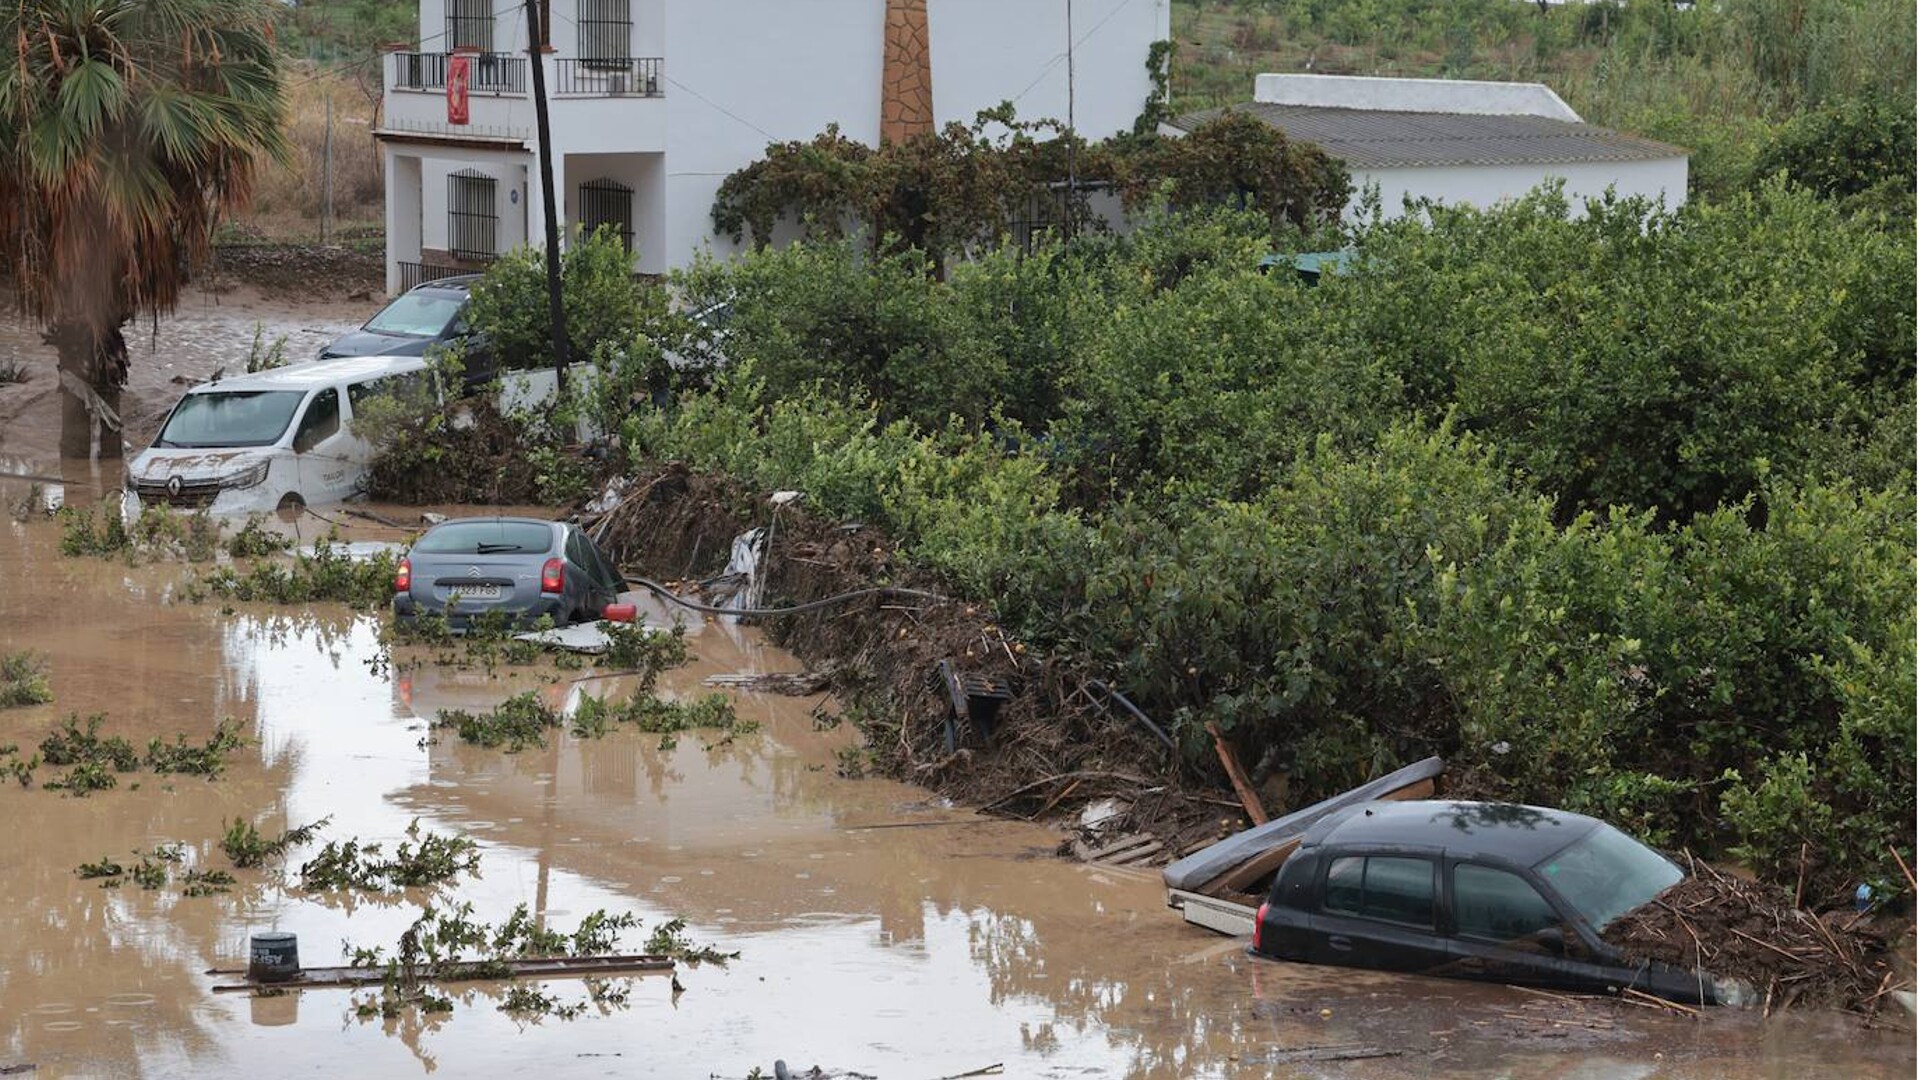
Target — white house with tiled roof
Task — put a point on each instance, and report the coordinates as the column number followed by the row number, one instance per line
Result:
column 654, row 102
column 1456, row 141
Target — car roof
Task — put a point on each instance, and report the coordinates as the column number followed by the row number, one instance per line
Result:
column 457, row 283
column 312, row 373
column 1522, row 834
column 494, row 519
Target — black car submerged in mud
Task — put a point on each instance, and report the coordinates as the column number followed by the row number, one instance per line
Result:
column 1493, row 891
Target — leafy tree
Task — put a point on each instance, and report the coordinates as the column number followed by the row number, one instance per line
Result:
column 1239, row 160
column 605, row 306
column 126, row 131
column 1857, row 150
column 960, row 190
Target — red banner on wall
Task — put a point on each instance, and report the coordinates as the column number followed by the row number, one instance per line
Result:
column 459, row 75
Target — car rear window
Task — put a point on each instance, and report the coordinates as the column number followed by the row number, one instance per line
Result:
column 487, row 538
column 221, row 418
column 1389, row 888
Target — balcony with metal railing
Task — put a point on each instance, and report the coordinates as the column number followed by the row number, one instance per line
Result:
column 591, row 98
column 633, row 76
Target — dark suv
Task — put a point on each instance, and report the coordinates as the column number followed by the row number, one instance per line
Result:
column 434, row 313
column 1514, row 894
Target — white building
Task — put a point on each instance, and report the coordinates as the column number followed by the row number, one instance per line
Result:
column 1456, row 141
column 654, row 102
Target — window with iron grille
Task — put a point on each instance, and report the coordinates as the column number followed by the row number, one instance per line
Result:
column 609, row 204
column 606, row 32
column 470, row 24
column 473, row 219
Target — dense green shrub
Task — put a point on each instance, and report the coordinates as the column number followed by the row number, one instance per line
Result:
column 1615, row 511
column 604, row 306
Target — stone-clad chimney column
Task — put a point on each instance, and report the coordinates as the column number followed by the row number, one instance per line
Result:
column 906, row 79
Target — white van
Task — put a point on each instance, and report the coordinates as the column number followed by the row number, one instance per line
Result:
column 271, row 439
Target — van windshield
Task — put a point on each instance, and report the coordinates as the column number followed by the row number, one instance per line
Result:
column 417, row 314
column 230, row 418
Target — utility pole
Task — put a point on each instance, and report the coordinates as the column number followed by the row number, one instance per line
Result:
column 556, row 311
column 326, row 175
column 1073, row 177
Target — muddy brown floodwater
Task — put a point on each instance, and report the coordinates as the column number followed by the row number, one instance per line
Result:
column 879, row 932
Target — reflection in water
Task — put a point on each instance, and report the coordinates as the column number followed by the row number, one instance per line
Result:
column 935, row 945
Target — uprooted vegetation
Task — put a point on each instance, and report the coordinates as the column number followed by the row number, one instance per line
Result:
column 328, row 573
column 1759, row 934
column 422, row 859
column 95, row 761
column 247, row 848
column 23, row 679
column 443, row 946
column 155, row 869
column 257, row 569
column 524, row 719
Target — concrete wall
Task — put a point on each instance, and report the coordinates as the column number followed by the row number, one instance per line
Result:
column 1413, row 95
column 1485, row 185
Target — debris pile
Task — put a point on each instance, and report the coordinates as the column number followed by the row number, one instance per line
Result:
column 1745, row 930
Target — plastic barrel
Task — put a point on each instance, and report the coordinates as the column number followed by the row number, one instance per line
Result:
column 275, row 957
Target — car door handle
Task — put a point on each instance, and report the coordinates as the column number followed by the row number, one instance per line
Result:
column 1339, row 942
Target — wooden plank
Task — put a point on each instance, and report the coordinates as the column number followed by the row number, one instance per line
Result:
column 550, row 967
column 1109, row 850
column 1137, row 855
column 1241, row 785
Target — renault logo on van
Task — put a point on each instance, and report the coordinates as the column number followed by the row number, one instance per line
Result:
column 173, row 486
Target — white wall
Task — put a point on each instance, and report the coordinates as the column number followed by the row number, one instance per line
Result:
column 512, row 228
column 642, row 173
column 743, row 73
column 804, row 66
column 1485, row 185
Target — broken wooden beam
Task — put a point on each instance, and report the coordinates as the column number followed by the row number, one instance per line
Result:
column 1241, row 785
column 556, row 967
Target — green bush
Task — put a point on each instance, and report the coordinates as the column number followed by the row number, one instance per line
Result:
column 604, row 306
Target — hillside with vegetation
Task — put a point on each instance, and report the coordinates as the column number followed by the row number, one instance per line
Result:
column 1738, row 82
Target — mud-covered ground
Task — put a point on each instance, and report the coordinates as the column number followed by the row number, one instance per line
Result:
column 881, row 932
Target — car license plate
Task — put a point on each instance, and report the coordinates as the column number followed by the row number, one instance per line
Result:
column 475, row 592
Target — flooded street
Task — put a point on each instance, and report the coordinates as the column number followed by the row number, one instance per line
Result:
column 879, row 933
column 211, row 331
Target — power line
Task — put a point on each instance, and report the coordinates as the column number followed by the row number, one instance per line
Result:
column 1071, row 45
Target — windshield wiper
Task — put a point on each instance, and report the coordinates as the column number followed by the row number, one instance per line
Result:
column 494, row 549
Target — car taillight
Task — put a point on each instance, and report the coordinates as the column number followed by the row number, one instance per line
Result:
column 1259, row 920
column 553, row 576
column 403, row 577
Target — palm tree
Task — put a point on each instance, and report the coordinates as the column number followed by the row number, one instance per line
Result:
column 127, row 129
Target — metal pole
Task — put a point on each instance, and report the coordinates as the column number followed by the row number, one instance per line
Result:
column 326, row 174
column 556, row 312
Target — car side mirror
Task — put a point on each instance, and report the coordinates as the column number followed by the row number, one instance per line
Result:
column 1551, row 941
